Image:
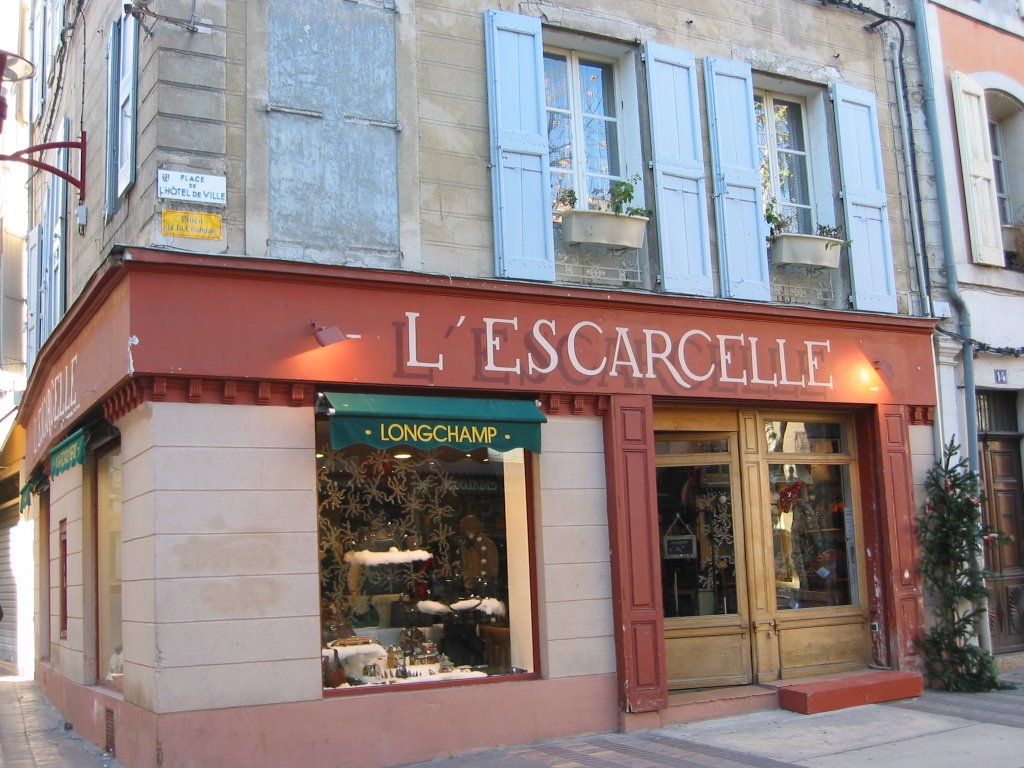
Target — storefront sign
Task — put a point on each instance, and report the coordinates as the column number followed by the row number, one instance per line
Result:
column 588, row 349
column 204, row 226
column 59, row 404
column 191, row 187
column 68, row 453
column 428, row 422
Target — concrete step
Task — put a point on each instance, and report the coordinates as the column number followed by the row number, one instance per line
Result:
column 824, row 694
column 691, row 706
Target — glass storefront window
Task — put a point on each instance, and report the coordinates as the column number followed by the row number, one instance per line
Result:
column 108, row 566
column 813, row 526
column 805, row 437
column 695, row 519
column 424, row 564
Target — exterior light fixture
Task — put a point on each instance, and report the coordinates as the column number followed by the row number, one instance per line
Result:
column 12, row 69
column 327, row 336
column 330, row 334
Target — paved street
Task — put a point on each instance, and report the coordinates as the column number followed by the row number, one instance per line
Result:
column 937, row 730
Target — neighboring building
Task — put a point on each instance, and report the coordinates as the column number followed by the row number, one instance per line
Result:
column 17, row 585
column 977, row 75
column 348, row 433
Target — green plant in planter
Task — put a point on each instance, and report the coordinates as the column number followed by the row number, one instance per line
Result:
column 778, row 222
column 620, row 195
column 950, row 533
column 834, row 233
column 566, row 199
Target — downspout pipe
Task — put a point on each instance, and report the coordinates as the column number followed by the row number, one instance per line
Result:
column 949, row 262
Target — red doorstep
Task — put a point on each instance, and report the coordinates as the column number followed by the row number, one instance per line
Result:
column 825, row 695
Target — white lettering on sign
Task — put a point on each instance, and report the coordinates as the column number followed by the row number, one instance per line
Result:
column 59, row 404
column 588, row 349
column 192, row 187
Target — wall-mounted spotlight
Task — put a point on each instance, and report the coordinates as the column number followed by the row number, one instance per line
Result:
column 331, row 334
column 885, row 370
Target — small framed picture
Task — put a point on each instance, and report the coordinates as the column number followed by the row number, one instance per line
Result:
column 682, row 547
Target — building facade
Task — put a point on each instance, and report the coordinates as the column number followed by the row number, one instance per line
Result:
column 346, row 407
column 977, row 77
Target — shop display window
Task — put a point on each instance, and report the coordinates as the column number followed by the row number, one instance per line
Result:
column 695, row 521
column 108, row 565
column 813, row 525
column 424, row 564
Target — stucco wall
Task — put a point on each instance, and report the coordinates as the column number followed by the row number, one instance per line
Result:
column 220, row 562
column 575, row 567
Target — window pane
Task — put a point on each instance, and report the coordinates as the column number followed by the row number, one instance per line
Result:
column 596, row 89
column 560, row 140
column 602, row 146
column 556, row 81
column 108, row 565
column 789, row 132
column 793, row 187
column 805, row 437
column 813, row 535
column 424, row 566
column 695, row 519
column 671, row 446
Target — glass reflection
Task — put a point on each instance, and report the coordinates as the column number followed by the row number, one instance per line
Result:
column 813, row 535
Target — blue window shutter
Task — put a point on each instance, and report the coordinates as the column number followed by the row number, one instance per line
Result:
column 110, row 203
column 864, row 201
column 742, row 230
column 680, row 188
column 126, row 104
column 32, row 310
column 523, row 237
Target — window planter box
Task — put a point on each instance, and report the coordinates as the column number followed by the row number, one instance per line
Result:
column 600, row 228
column 806, row 250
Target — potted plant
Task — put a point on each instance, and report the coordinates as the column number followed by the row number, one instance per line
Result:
column 822, row 249
column 621, row 226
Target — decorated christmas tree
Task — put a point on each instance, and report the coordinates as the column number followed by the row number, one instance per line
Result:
column 950, row 532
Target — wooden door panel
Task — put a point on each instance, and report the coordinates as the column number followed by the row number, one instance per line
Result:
column 823, row 647
column 702, row 657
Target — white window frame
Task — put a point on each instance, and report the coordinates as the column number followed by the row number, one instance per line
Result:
column 817, row 141
column 578, row 178
column 627, row 118
column 770, row 154
column 999, row 170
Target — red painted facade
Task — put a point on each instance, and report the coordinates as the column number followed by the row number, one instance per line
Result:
column 168, row 326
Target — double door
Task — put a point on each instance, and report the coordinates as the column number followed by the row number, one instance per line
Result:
column 758, row 541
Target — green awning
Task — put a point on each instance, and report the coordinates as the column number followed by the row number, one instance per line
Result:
column 385, row 421
column 67, row 453
column 35, row 483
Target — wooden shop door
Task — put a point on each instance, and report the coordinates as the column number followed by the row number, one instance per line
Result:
column 759, row 547
column 1004, row 509
column 700, row 521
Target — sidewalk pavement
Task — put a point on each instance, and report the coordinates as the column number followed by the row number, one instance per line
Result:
column 936, row 730
column 33, row 735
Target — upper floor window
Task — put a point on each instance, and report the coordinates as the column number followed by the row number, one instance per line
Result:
column 121, row 107
column 564, row 113
column 782, row 143
column 995, row 133
column 990, row 132
column 583, row 127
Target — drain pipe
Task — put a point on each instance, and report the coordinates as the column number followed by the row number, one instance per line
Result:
column 952, row 285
